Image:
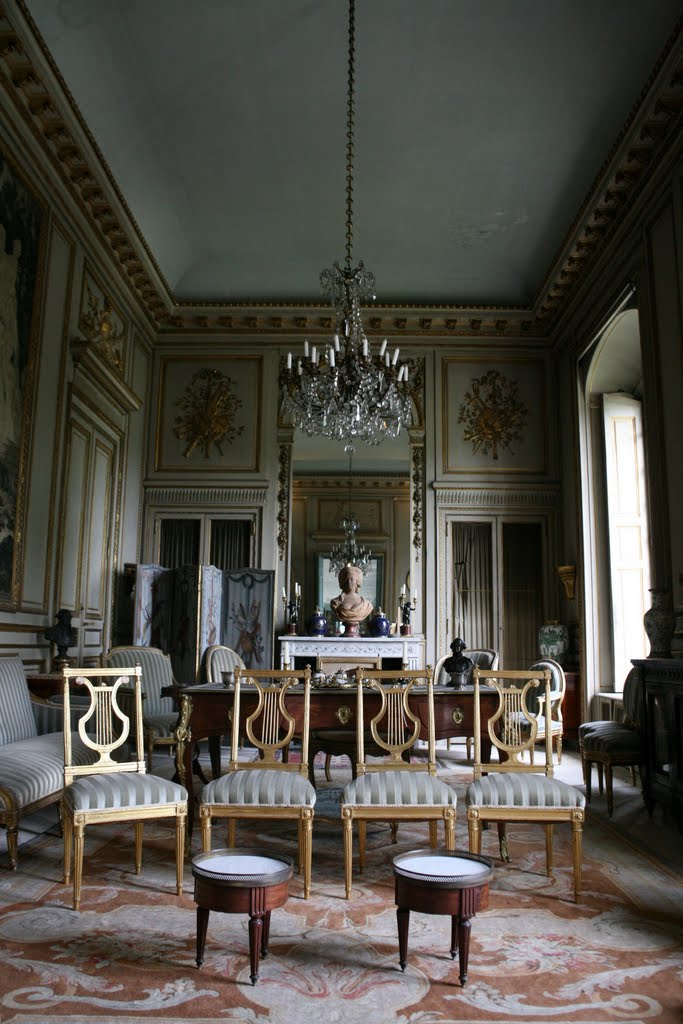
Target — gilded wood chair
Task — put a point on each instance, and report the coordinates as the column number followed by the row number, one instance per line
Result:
column 394, row 789
column 513, row 790
column 159, row 716
column 340, row 742
column 219, row 660
column 558, row 689
column 270, row 787
column 109, row 789
column 484, row 657
column 614, row 744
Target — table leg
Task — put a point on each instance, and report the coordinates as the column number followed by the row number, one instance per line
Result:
column 265, row 934
column 463, row 946
column 403, row 921
column 202, row 925
column 215, row 756
column 454, row 936
column 255, row 932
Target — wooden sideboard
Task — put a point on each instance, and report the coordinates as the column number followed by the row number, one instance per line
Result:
column 661, row 682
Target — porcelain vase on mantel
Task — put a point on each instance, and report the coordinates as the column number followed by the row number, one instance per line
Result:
column 659, row 622
column 553, row 641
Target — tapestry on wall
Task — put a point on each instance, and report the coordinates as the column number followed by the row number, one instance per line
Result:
column 21, row 235
column 248, row 615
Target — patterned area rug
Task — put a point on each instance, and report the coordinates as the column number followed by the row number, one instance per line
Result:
column 535, row 955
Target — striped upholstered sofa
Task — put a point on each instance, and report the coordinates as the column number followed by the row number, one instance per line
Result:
column 31, row 752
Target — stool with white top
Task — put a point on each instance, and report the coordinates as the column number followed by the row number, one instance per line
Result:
column 237, row 882
column 439, row 882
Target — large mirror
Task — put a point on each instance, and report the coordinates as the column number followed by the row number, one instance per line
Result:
column 377, row 492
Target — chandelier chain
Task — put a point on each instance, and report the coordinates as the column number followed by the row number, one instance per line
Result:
column 342, row 389
column 350, row 134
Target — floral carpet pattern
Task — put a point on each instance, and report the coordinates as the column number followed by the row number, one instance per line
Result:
column 129, row 955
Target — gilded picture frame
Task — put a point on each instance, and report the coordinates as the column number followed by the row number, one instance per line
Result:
column 23, row 228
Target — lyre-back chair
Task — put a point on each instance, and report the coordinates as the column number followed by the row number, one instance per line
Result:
column 513, row 789
column 159, row 715
column 484, row 657
column 394, row 788
column 270, row 787
column 113, row 788
column 339, row 741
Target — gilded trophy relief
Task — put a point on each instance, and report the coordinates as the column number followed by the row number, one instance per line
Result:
column 102, row 325
column 495, row 415
column 207, row 413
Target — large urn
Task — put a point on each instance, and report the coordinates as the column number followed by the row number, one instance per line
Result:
column 659, row 622
column 553, row 641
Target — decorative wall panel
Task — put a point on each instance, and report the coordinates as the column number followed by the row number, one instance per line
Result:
column 209, row 414
column 494, row 415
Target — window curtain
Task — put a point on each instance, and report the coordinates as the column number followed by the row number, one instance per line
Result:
column 472, row 577
column 230, row 543
column 179, row 542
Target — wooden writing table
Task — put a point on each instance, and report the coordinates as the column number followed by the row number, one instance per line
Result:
column 205, row 712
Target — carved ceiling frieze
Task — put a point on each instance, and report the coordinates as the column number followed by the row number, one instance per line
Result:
column 49, row 110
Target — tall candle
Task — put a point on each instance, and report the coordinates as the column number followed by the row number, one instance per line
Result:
column 285, row 653
column 405, row 652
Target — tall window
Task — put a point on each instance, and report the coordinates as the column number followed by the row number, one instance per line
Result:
column 628, row 534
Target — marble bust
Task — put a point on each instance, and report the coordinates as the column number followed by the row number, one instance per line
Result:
column 350, row 608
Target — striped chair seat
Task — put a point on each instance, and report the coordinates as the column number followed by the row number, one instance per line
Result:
column 612, row 738
column 522, row 791
column 125, row 790
column 259, row 788
column 43, row 758
column 398, row 789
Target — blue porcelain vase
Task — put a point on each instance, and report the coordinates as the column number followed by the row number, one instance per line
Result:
column 317, row 624
column 379, row 624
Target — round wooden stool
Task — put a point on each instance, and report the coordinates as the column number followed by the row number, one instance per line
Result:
column 439, row 882
column 238, row 882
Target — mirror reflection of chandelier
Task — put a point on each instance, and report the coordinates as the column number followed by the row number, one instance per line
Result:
column 349, row 552
column 342, row 389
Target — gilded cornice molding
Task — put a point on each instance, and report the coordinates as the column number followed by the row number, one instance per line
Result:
column 210, row 496
column 46, row 104
column 485, row 497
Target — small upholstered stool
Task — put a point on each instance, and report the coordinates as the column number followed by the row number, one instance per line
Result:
column 238, row 882
column 439, row 882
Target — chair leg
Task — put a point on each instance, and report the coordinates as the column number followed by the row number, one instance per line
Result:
column 79, row 835
column 394, row 831
column 633, row 775
column 67, row 832
column 179, row 852
column 587, row 772
column 348, row 854
column 306, row 826
column 577, row 840
column 468, row 747
column 433, row 833
column 548, row 850
column 449, row 830
column 362, row 833
column 474, row 833
column 559, row 747
column 205, row 825
column 608, row 788
column 600, row 777
column 232, row 831
column 139, row 833
column 503, row 842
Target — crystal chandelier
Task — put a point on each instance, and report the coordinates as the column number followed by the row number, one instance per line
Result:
column 342, row 389
column 349, row 552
